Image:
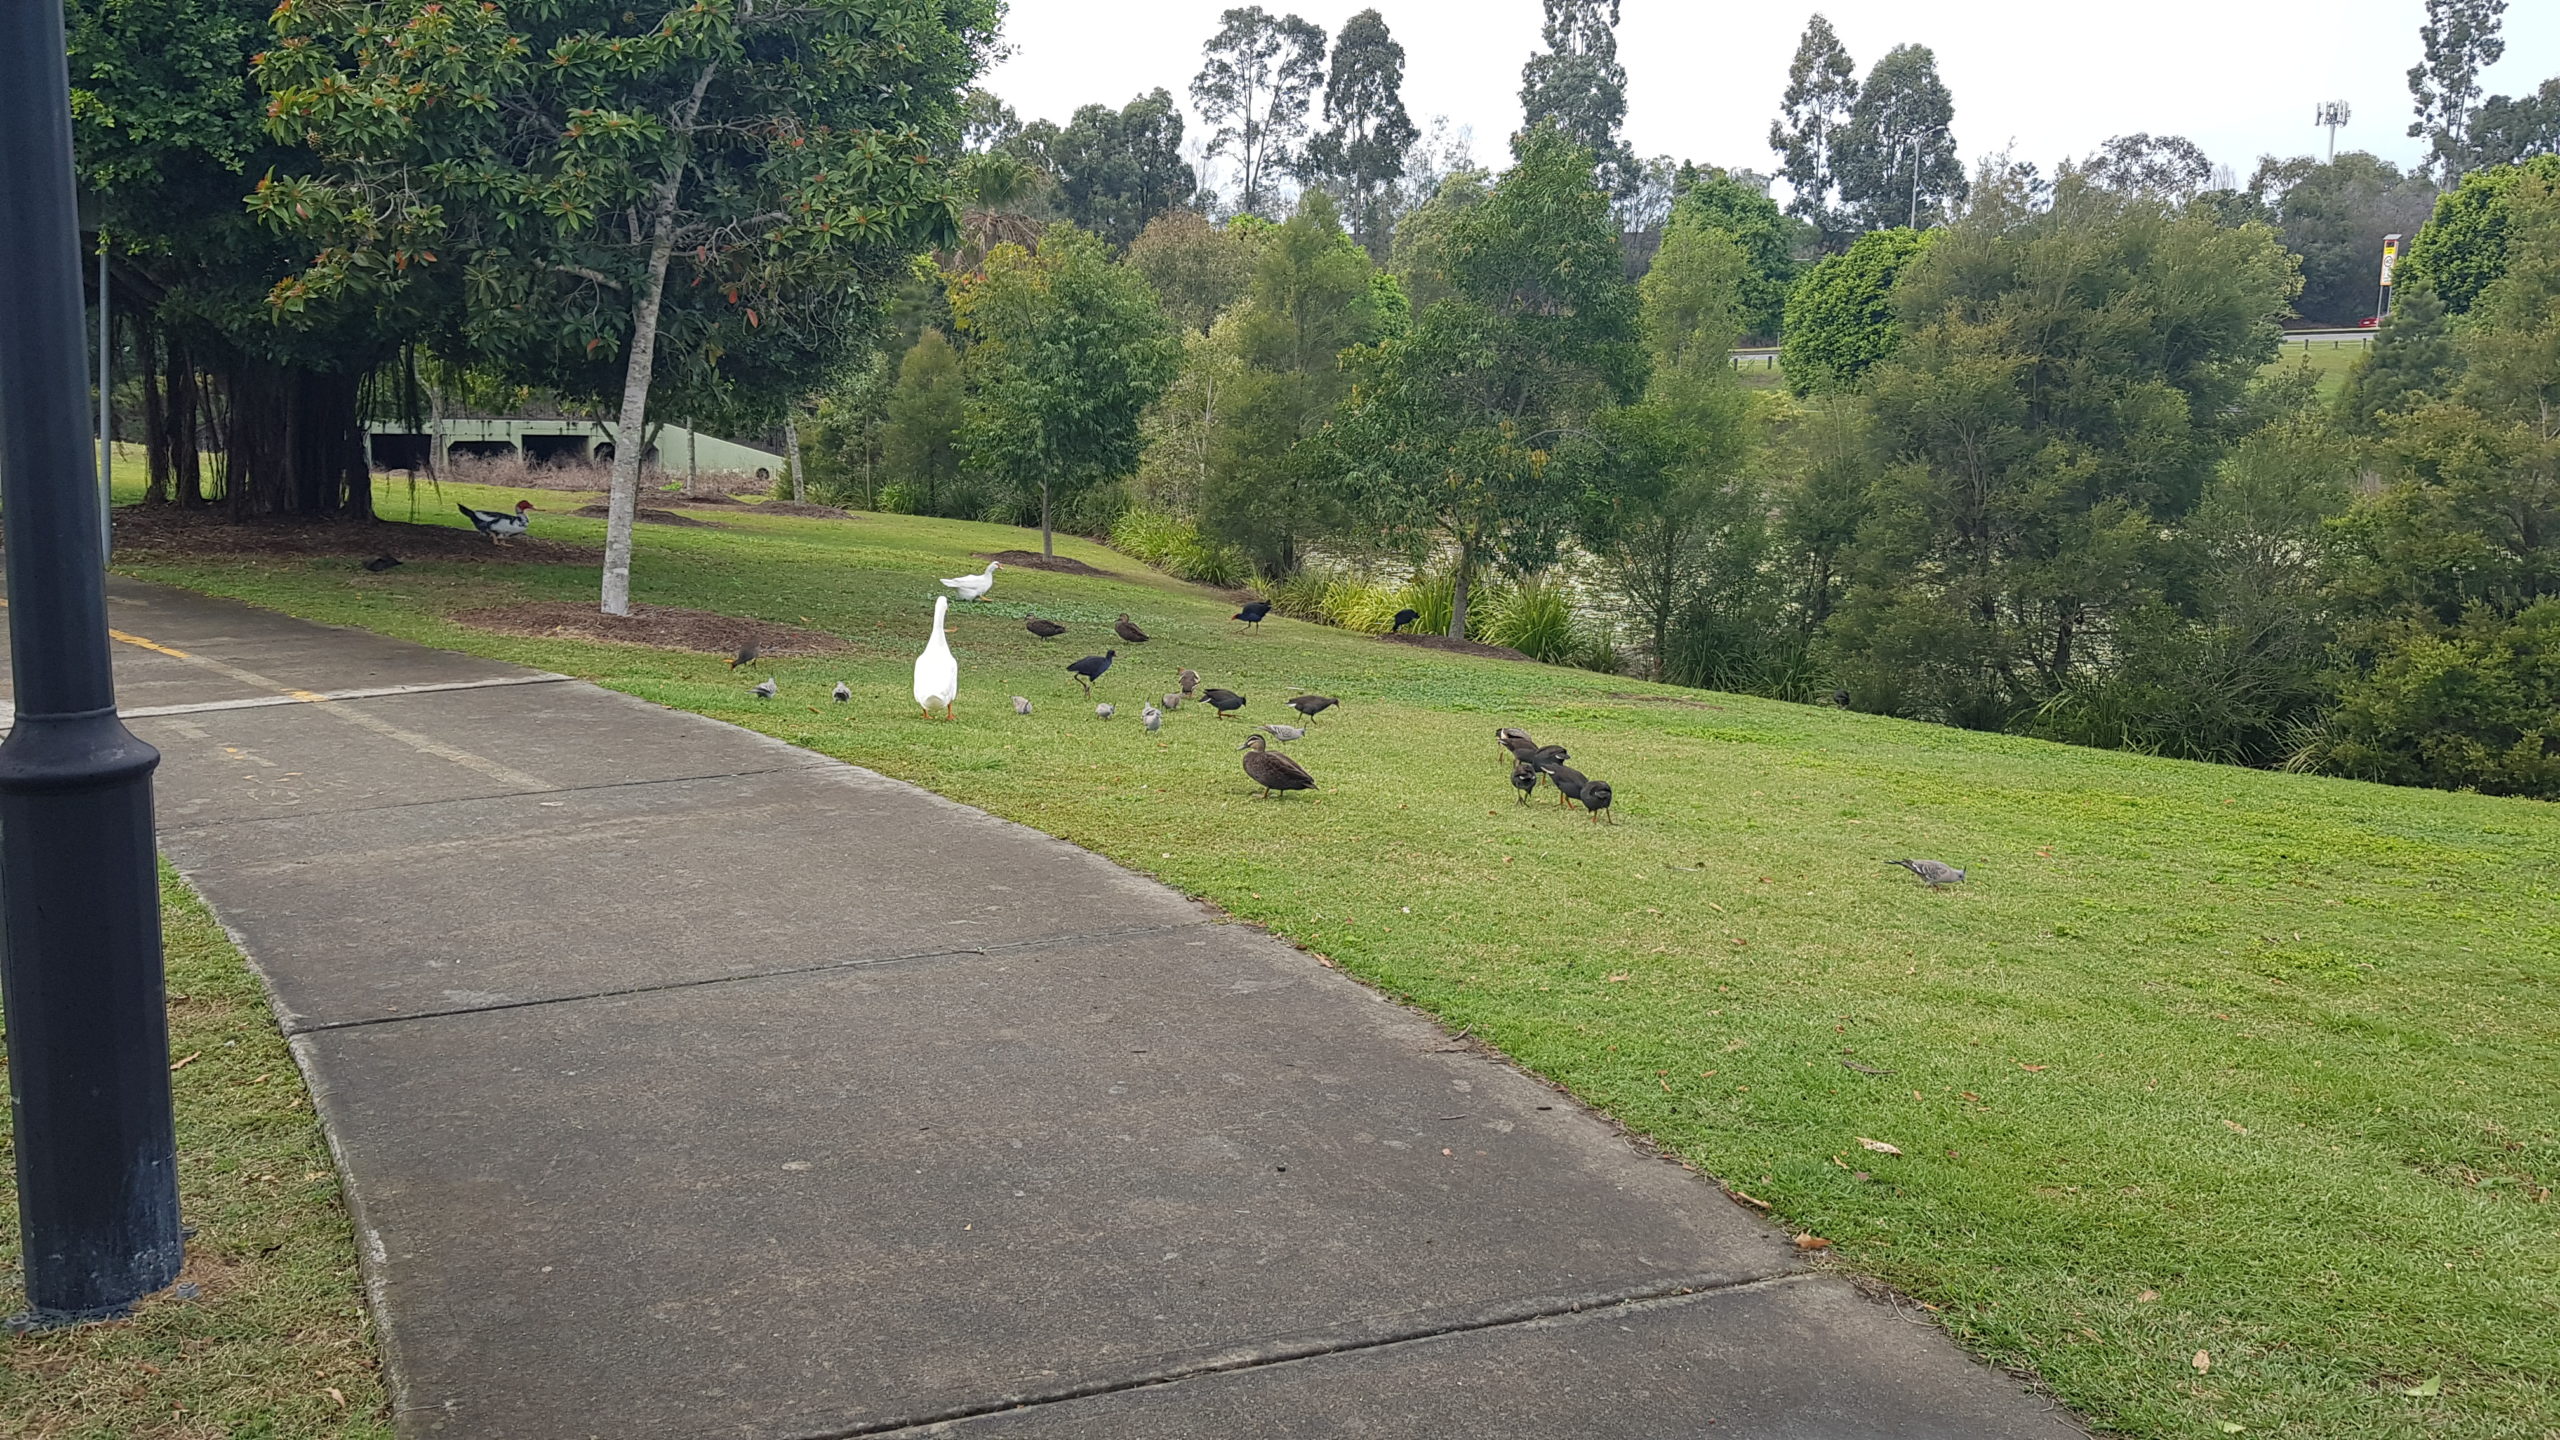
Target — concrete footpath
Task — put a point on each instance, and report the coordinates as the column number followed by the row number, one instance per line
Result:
column 688, row 1084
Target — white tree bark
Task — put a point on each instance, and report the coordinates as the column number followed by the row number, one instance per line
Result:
column 639, row 364
column 799, row 481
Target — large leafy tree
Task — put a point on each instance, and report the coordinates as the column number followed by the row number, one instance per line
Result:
column 2511, row 128
column 1842, row 318
column 1577, row 84
column 2449, row 580
column 1665, row 507
column 169, row 135
column 1258, row 76
column 1812, row 123
column 1314, row 294
column 1118, row 169
column 1713, row 198
column 733, row 184
column 2068, row 380
column 2464, row 248
column 1452, row 430
column 1067, row 350
column 2460, row 39
column 1198, row 268
column 1360, row 153
column 2333, row 215
column 1897, row 162
column 2170, row 166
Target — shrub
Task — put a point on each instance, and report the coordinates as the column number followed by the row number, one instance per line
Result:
column 1175, row 545
column 1535, row 618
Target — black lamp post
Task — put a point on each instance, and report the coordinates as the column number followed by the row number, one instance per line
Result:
column 79, row 887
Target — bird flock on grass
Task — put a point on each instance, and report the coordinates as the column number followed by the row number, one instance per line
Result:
column 1273, row 774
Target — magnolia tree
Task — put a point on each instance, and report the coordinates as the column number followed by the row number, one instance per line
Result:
column 727, row 183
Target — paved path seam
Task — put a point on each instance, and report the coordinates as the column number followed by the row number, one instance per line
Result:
column 829, row 967
column 1360, row 1336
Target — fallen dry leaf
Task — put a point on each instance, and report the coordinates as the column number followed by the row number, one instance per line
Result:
column 1751, row 1200
column 1812, row 1242
column 1619, row 978
column 183, row 1064
column 2146, row 1297
column 2202, row 1362
column 2426, row 1389
column 2023, row 1065
column 339, row 1396
column 1879, row 1146
column 2235, row 1127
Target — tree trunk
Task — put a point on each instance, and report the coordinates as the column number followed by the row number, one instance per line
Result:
column 155, row 413
column 435, row 432
column 638, row 366
column 799, row 481
column 1458, row 591
column 292, row 441
column 1045, row 547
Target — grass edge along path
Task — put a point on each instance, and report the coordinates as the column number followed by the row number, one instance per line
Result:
column 2220, row 1097
column 267, row 1334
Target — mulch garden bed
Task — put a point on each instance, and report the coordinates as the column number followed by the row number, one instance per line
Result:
column 804, row 508
column 1034, row 560
column 664, row 626
column 645, row 515
column 175, row 532
column 1459, row 647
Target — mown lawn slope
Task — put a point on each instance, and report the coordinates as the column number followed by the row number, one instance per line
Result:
column 2225, row 1100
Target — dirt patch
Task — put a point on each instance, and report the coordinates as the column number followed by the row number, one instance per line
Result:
column 1458, row 647
column 645, row 515
column 170, row 531
column 1034, row 560
column 1662, row 700
column 712, row 498
column 804, row 508
column 664, row 626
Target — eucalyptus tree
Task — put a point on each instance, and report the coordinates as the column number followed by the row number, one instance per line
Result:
column 1812, row 123
column 1258, row 77
column 2460, row 39
column 1452, row 429
column 734, row 185
column 2172, row 167
column 1118, row 169
column 2510, row 128
column 1897, row 162
column 1577, row 84
column 1360, row 153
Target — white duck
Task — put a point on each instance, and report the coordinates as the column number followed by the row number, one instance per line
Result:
column 974, row 587
column 937, row 669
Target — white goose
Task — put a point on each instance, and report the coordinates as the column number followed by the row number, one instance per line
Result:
column 937, row 669
column 974, row 587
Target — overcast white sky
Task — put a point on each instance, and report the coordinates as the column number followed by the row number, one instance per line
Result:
column 2239, row 77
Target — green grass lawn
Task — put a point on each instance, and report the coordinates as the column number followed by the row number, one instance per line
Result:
column 2226, row 1100
column 274, row 1341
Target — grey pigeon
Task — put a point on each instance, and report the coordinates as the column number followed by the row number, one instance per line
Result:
column 1021, row 706
column 766, row 690
column 844, row 692
column 1285, row 733
column 1172, row 703
column 1931, row 873
column 1102, row 711
column 1152, row 718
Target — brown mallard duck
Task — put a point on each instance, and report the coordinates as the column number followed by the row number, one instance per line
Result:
column 1273, row 772
column 1222, row 701
column 1126, row 631
column 1045, row 629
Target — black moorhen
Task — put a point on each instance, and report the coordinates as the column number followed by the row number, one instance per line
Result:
column 1090, row 668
